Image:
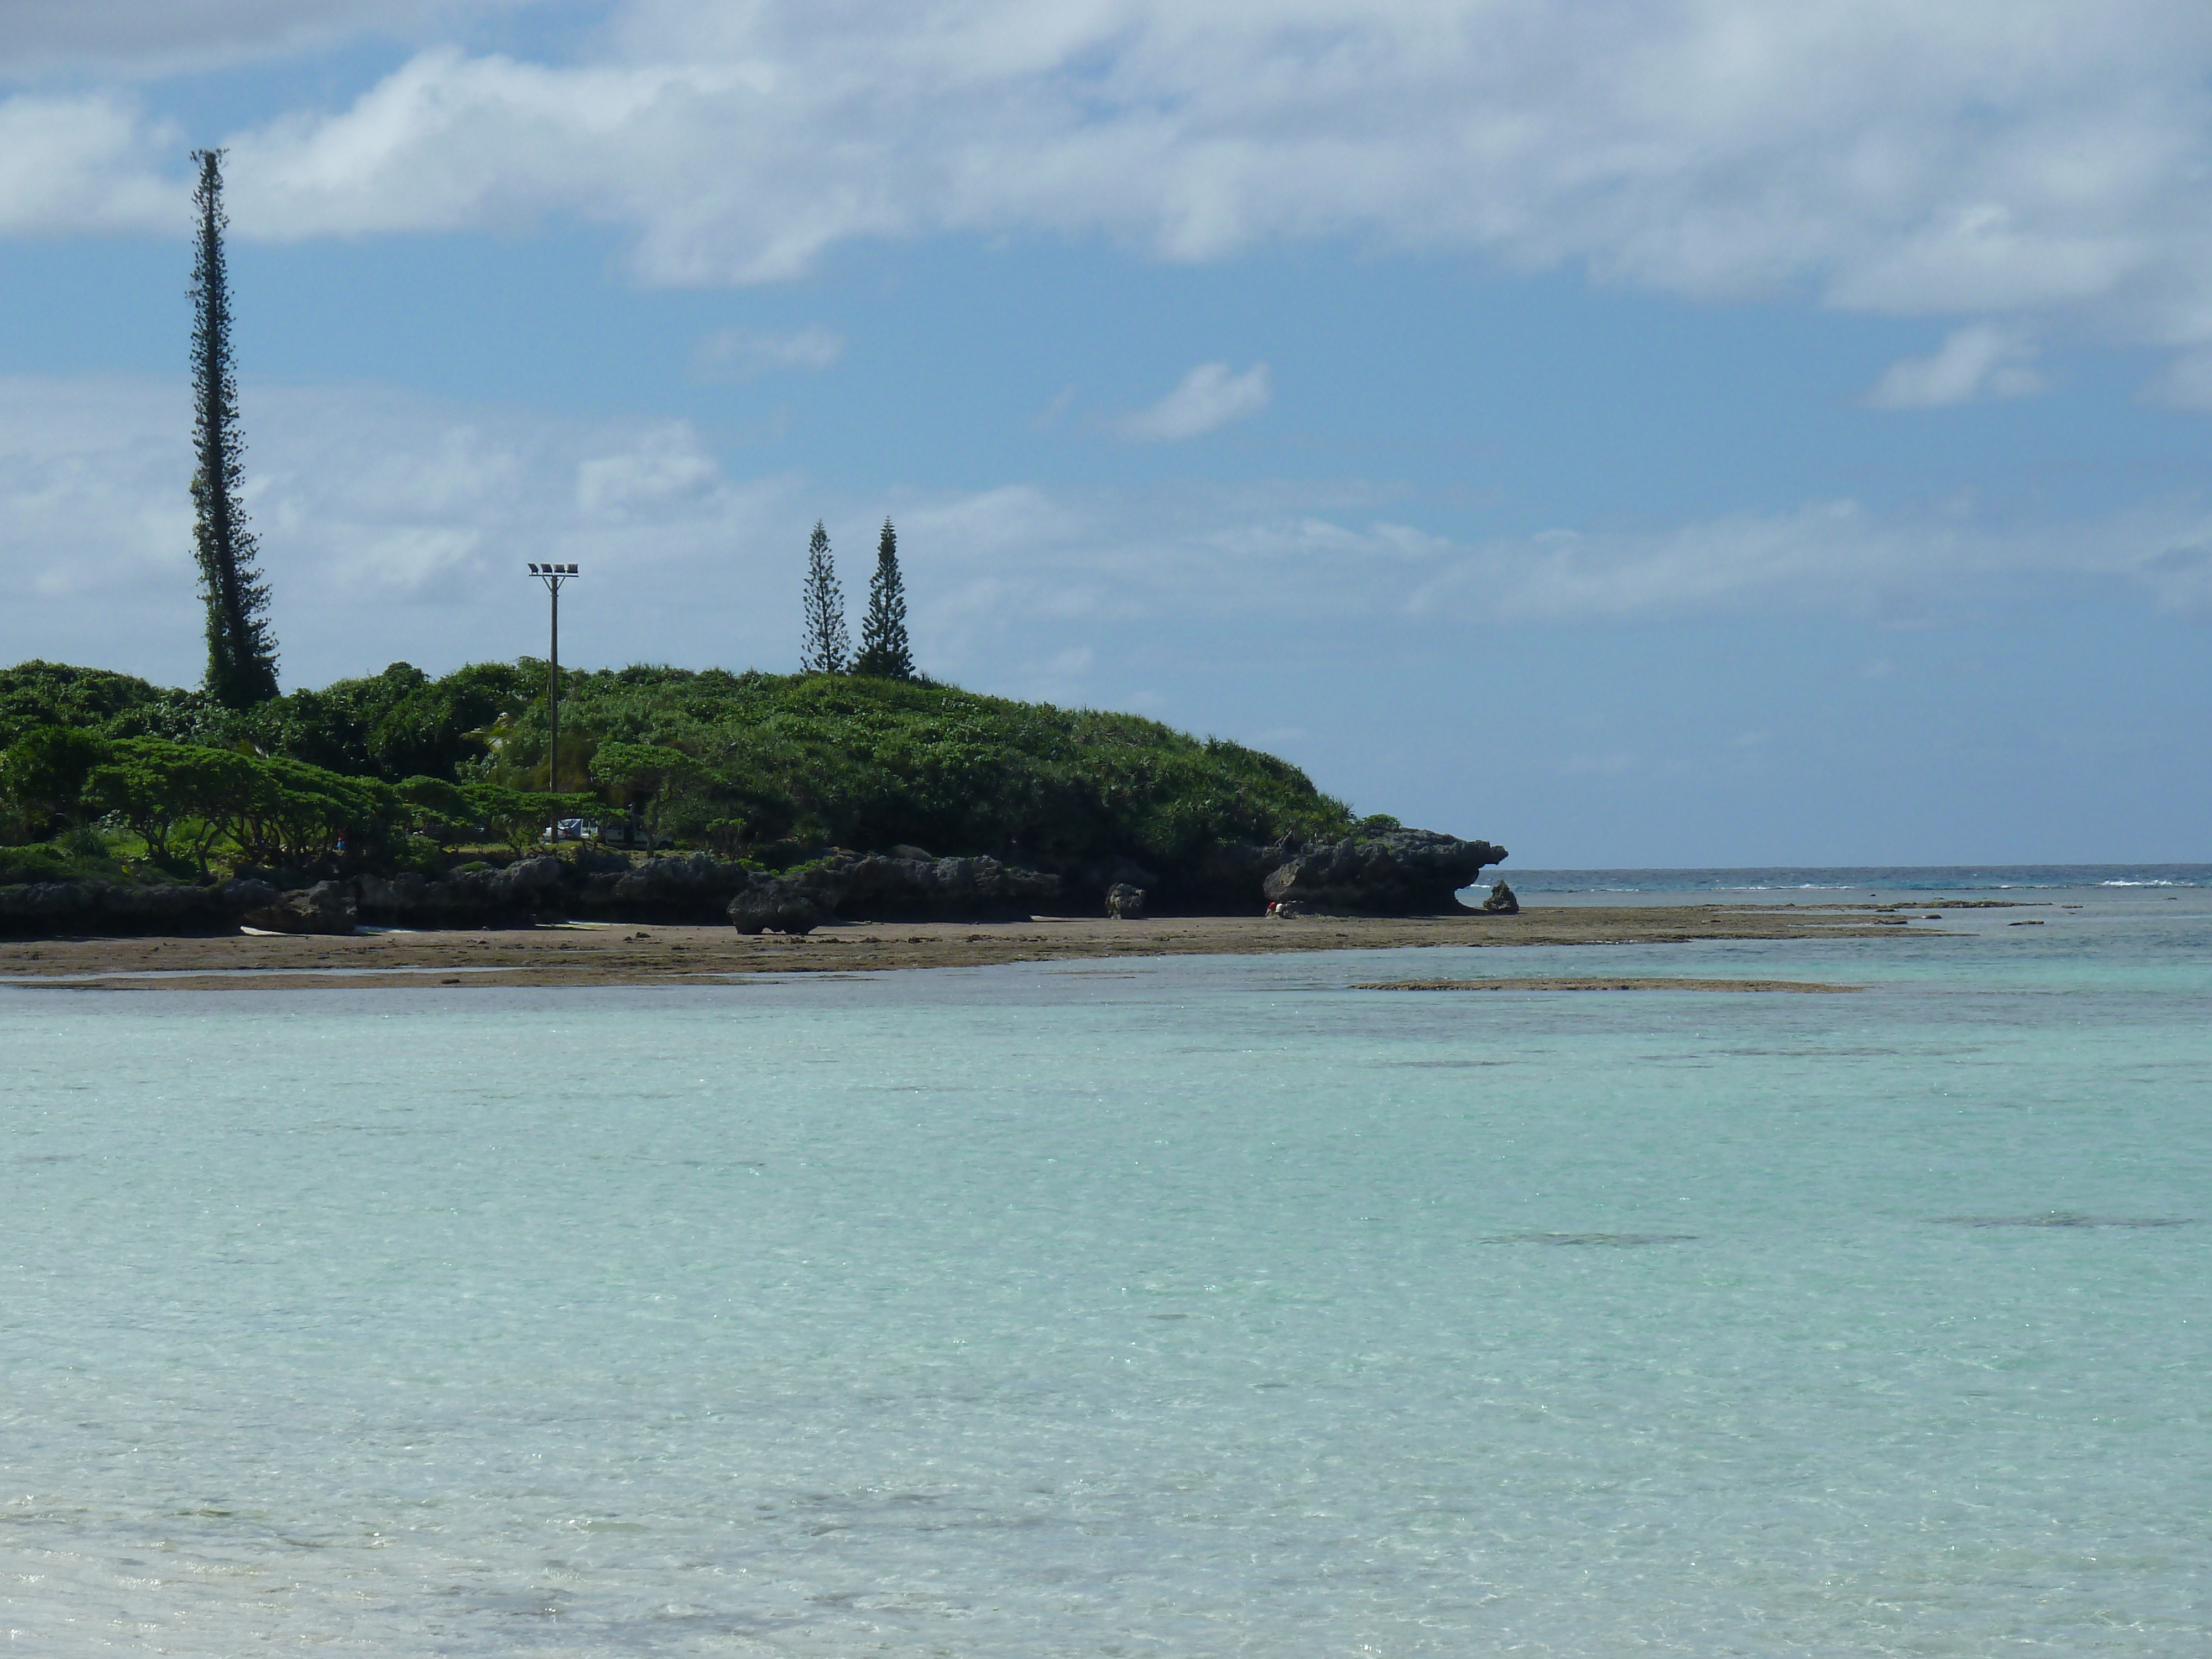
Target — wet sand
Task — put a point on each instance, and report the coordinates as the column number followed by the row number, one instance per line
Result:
column 622, row 954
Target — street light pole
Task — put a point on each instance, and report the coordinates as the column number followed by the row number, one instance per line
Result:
column 553, row 575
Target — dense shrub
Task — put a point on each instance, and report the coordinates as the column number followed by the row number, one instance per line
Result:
column 722, row 760
column 869, row 763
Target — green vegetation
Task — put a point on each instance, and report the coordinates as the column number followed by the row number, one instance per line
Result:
column 885, row 651
column 399, row 767
column 241, row 669
column 825, row 647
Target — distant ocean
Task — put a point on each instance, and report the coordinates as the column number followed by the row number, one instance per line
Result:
column 1854, row 878
column 1195, row 1307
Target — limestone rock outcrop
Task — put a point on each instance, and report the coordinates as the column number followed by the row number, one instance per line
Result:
column 327, row 908
column 524, row 891
column 1389, row 873
column 54, row 909
column 876, row 888
column 1385, row 873
column 683, row 887
column 777, row 906
column 1502, row 901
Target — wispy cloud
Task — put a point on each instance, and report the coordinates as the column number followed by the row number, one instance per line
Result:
column 157, row 37
column 1049, row 416
column 739, row 353
column 1980, row 361
column 87, row 163
column 396, row 525
column 1206, row 399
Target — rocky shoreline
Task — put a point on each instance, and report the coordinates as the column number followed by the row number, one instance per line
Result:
column 1389, row 873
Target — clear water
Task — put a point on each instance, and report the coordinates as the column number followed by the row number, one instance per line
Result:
column 1196, row 1307
column 1909, row 881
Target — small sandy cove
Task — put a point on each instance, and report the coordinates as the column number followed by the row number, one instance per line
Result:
column 622, row 954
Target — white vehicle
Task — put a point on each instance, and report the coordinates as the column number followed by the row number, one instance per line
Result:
column 571, row 830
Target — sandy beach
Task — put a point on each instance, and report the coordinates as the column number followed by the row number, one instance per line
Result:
column 578, row 953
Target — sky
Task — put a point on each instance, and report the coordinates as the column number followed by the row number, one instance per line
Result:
column 1677, row 433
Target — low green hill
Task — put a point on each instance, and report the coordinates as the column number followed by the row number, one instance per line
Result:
column 741, row 763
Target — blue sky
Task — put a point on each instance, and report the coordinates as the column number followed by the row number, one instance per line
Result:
column 1711, row 433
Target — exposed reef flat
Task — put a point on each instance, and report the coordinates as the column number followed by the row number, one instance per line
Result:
column 1608, row 982
column 624, row 955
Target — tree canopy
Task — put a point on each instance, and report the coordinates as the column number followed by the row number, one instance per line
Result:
column 729, row 761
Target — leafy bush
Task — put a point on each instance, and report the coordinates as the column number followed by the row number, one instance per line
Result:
column 177, row 797
column 298, row 814
column 45, row 861
column 33, row 693
column 870, row 762
column 43, row 772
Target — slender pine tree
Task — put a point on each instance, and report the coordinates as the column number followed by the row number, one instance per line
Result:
column 826, row 643
column 883, row 647
column 241, row 667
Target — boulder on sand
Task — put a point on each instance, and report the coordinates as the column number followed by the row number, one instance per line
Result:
column 1124, row 903
column 325, row 908
column 772, row 906
column 1501, row 902
column 1390, row 873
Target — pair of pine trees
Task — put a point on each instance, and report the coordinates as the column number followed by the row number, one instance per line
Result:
column 828, row 648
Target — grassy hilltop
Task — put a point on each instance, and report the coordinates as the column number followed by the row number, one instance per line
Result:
column 751, row 764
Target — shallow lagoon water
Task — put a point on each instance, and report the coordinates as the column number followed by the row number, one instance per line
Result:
column 1188, row 1307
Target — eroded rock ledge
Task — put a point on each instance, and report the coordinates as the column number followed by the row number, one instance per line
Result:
column 1393, row 872
column 877, row 888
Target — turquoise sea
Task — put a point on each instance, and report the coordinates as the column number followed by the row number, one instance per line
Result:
column 1203, row 1306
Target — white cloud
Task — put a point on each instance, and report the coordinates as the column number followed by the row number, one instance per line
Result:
column 647, row 473
column 394, row 526
column 1833, row 558
column 145, row 37
column 1979, row 361
column 390, row 527
column 2003, row 162
column 1205, row 400
column 85, row 163
column 741, row 353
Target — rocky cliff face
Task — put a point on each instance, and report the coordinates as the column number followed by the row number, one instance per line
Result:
column 57, row 909
column 526, row 890
column 1396, row 873
column 880, row 888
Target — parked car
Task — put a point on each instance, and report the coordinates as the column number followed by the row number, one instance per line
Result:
column 571, row 830
column 629, row 832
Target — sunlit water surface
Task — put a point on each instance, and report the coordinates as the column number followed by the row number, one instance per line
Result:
column 1182, row 1308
